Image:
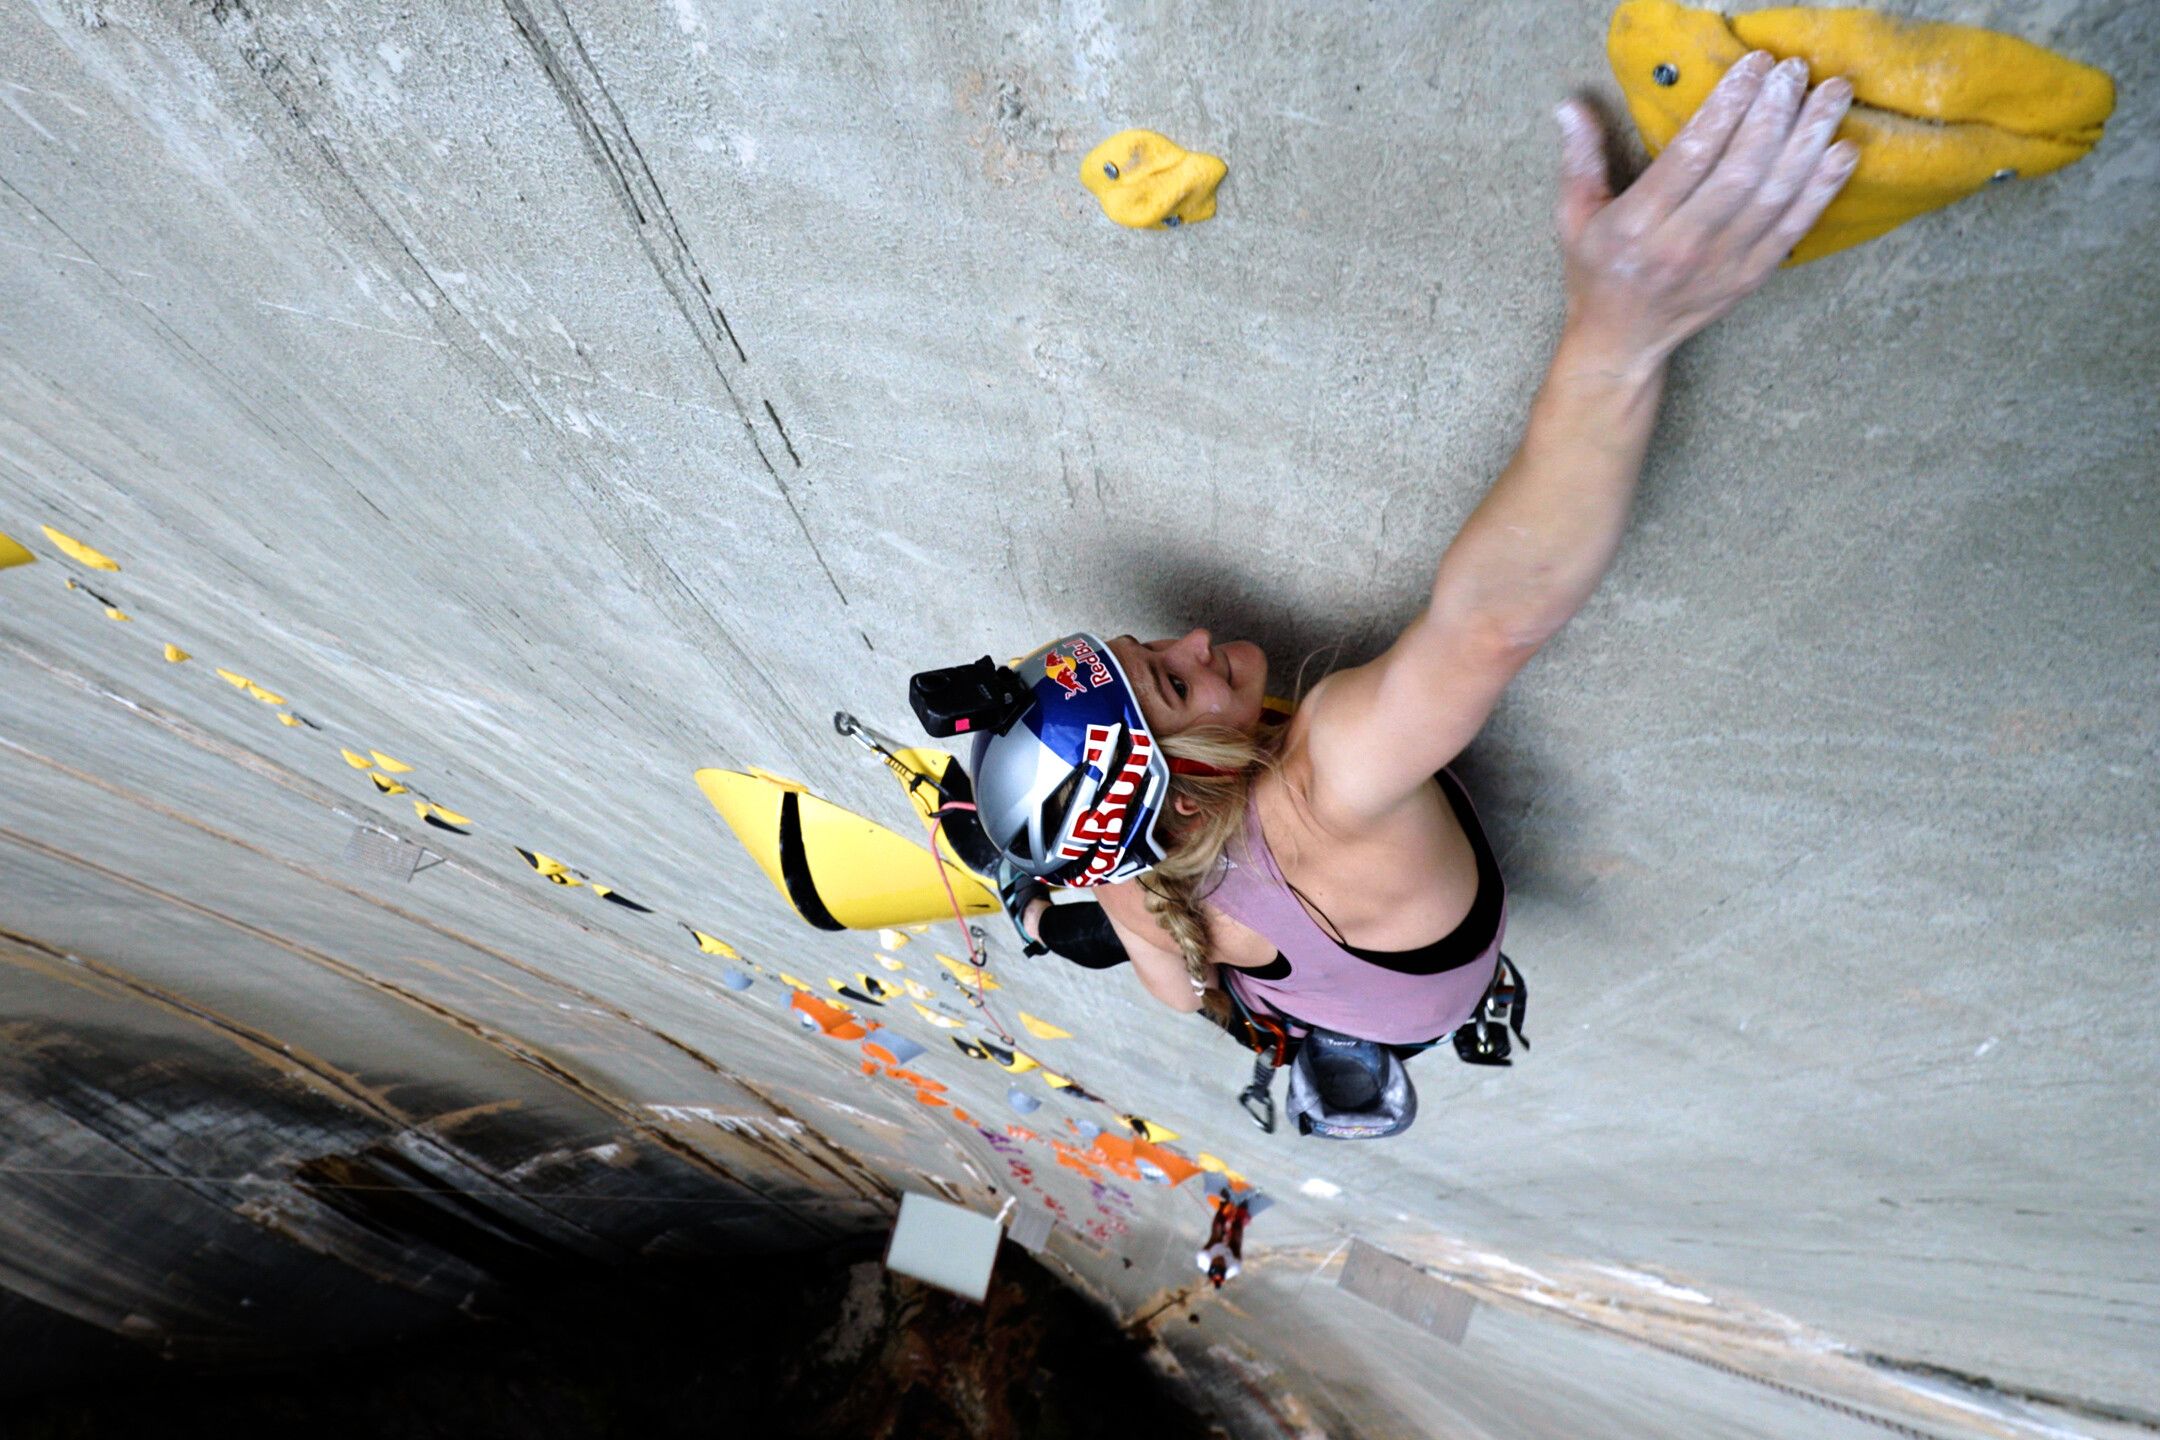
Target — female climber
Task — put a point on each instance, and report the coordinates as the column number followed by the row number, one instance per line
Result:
column 1328, row 868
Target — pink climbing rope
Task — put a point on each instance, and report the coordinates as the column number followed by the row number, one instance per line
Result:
column 974, row 952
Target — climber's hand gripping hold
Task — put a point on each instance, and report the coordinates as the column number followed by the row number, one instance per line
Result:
column 1711, row 218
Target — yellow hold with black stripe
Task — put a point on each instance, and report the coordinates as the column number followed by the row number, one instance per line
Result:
column 838, row 870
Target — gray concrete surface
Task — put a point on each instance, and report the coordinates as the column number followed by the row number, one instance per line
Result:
column 562, row 398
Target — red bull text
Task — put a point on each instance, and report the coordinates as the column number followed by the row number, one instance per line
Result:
column 1098, row 830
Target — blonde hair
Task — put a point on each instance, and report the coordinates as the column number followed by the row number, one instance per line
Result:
column 1175, row 888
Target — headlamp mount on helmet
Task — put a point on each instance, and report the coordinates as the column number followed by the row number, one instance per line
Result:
column 961, row 699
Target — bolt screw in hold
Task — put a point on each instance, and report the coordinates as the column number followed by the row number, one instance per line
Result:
column 1109, row 170
column 1171, row 222
column 2001, row 175
column 1665, row 75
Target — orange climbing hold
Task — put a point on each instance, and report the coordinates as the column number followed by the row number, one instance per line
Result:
column 833, row 1022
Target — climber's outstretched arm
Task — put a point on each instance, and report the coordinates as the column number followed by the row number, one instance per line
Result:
column 1704, row 227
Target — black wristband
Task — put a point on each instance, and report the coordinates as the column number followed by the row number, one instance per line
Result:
column 1082, row 934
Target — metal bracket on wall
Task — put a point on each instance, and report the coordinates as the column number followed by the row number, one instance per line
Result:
column 387, row 854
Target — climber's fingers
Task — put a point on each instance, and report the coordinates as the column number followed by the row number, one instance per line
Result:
column 1797, row 164
column 1832, row 169
column 1585, row 179
column 1750, row 162
column 1695, row 151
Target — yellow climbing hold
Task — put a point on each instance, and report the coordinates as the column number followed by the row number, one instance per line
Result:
column 13, row 552
column 547, row 865
column 712, row 946
column 917, row 990
column 837, row 870
column 1056, row 1081
column 791, row 981
column 1148, row 1130
column 357, row 761
column 174, row 655
column 891, row 939
column 390, row 787
column 440, row 814
column 1147, row 181
column 967, row 973
column 943, row 1022
column 1939, row 111
column 1042, row 1029
column 238, row 682
column 286, row 717
column 395, row 767
column 1021, row 1063
column 889, row 963
column 263, row 695
column 80, row 553
column 780, row 780
column 114, row 612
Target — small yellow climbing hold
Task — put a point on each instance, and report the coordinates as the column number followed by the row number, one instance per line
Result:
column 267, row 697
column 13, row 552
column 429, row 810
column 891, row 939
column 1147, row 181
column 713, row 946
column 890, row 963
column 357, row 761
column 114, row 612
column 395, row 767
column 390, row 787
column 943, row 1022
column 286, row 717
column 238, row 682
column 174, row 655
column 80, row 553
column 1043, row 1029
column 967, row 974
column 917, row 990
column 1939, row 111
column 553, row 869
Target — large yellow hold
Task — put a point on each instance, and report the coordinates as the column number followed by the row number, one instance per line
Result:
column 1938, row 111
column 838, row 870
column 13, row 552
column 1147, row 181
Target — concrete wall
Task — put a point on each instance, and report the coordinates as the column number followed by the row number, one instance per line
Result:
column 564, row 398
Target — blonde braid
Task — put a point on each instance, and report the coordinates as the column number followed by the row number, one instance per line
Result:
column 1173, row 887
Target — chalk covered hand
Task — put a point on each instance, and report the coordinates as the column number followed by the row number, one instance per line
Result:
column 1712, row 217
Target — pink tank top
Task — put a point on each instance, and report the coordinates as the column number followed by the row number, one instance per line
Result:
column 1329, row 986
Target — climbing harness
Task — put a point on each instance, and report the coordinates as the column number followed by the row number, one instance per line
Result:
column 1345, row 1088
column 1483, row 1039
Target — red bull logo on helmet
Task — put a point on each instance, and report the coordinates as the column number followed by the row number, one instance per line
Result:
column 1066, row 669
column 1101, row 826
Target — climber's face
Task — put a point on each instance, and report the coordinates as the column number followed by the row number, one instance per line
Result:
column 1192, row 681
